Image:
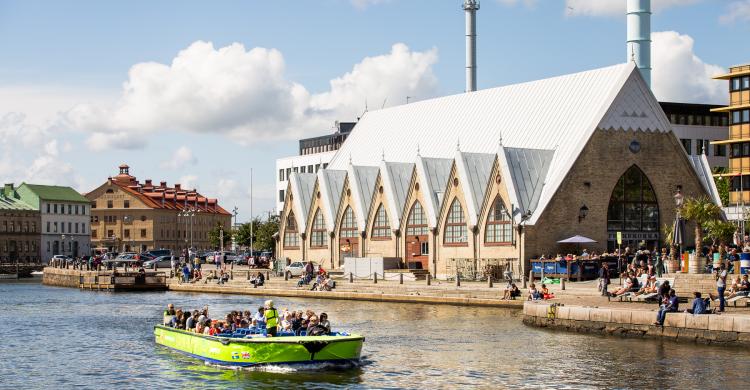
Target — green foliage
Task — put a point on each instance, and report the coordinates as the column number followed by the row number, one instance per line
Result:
column 722, row 185
column 701, row 211
column 214, row 236
column 262, row 234
column 719, row 231
column 667, row 232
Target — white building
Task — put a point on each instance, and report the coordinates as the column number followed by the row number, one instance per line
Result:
column 65, row 218
column 695, row 126
column 314, row 154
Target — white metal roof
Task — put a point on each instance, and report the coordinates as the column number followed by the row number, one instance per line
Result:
column 362, row 183
column 331, row 183
column 703, row 170
column 474, row 169
column 396, row 178
column 559, row 113
column 303, row 185
column 433, row 174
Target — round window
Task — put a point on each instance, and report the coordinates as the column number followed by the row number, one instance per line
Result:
column 635, row 146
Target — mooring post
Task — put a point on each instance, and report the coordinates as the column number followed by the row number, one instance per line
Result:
column 400, row 278
column 489, row 281
column 458, row 279
column 562, row 284
column 351, row 277
column 531, row 276
column 231, row 274
column 375, row 278
column 286, row 276
column 429, row 279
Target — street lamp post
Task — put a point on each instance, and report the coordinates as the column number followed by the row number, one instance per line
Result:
column 188, row 214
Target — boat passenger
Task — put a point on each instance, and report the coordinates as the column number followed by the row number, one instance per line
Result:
column 169, row 313
column 259, row 320
column 286, row 323
column 325, row 323
column 296, row 322
column 271, row 316
column 192, row 322
column 315, row 328
column 214, row 330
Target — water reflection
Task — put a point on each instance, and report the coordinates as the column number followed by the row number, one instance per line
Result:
column 66, row 338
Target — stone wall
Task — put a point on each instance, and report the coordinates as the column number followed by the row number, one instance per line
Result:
column 707, row 328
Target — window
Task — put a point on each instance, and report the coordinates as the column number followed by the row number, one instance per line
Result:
column 416, row 223
column 291, row 236
column 318, row 231
column 62, row 226
column 126, row 204
column 701, row 145
column 317, row 167
column 381, row 227
column 70, row 209
column 303, row 169
column 76, row 227
column 110, row 233
column 310, row 168
column 746, row 82
column 348, row 224
column 83, row 209
column 93, row 206
column 735, row 84
column 633, row 206
column 83, row 228
column 720, row 150
column 55, row 208
column 499, row 229
column 281, row 175
column 93, row 233
column 424, row 248
column 325, row 165
column 48, row 227
column 281, row 195
column 33, row 227
column 48, row 206
column 295, row 169
column 455, row 225
column 143, row 233
column 48, row 246
column 55, row 227
column 70, row 227
column 288, row 172
column 126, row 233
column 109, row 204
column 686, row 143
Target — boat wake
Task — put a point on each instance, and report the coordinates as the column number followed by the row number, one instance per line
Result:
column 297, row 367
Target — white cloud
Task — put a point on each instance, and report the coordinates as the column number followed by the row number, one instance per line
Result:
column 362, row 4
column 188, row 182
column 245, row 95
column 680, row 75
column 181, row 157
column 616, row 7
column 736, row 11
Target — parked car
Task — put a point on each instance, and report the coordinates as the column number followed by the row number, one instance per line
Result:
column 154, row 253
column 298, row 267
column 161, row 262
column 66, row 259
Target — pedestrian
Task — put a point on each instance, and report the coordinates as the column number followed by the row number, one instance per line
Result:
column 186, row 273
column 721, row 284
column 604, row 279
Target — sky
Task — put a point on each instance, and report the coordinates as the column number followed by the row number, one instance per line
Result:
column 200, row 93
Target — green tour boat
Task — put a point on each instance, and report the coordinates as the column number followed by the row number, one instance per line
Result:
column 244, row 349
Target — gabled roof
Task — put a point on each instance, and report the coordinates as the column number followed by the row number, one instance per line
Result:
column 303, row 185
column 362, row 183
column 331, row 183
column 525, row 171
column 559, row 113
column 474, row 169
column 56, row 193
column 703, row 170
column 396, row 178
column 433, row 173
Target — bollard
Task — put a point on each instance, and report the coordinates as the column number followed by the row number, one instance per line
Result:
column 541, row 274
column 562, row 284
column 429, row 279
column 268, row 275
column 400, row 278
column 375, row 278
column 231, row 274
column 286, row 276
column 154, row 266
column 248, row 274
column 351, row 277
column 458, row 279
column 531, row 276
column 231, row 266
column 489, row 281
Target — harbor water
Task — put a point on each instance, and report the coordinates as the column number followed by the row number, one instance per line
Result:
column 65, row 338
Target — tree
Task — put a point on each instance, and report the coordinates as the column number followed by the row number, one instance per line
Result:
column 701, row 211
column 719, row 231
column 214, row 235
column 668, row 234
column 242, row 235
column 262, row 233
column 722, row 184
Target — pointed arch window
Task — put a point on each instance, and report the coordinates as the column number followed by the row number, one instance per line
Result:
column 348, row 224
column 318, row 231
column 291, row 235
column 633, row 206
column 455, row 225
column 416, row 223
column 499, row 229
column 381, row 227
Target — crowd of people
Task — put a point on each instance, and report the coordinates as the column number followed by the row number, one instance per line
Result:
column 267, row 320
column 322, row 280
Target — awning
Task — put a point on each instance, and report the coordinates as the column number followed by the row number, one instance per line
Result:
column 577, row 240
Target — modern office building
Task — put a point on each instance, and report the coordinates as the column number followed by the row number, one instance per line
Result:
column 314, row 153
column 697, row 128
column 20, row 235
column 738, row 140
column 64, row 219
column 499, row 174
column 127, row 215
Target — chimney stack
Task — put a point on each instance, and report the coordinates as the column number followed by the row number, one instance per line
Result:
column 163, row 184
column 639, row 36
column 177, row 187
column 470, row 9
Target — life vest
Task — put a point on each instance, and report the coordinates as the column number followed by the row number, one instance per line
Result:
column 272, row 318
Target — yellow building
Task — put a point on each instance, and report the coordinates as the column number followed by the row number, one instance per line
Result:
column 739, row 132
column 127, row 215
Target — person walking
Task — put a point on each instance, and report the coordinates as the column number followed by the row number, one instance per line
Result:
column 604, row 279
column 721, row 284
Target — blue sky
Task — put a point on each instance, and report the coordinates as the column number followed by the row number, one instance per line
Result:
column 65, row 119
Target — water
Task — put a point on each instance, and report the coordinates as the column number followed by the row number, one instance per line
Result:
column 65, row 338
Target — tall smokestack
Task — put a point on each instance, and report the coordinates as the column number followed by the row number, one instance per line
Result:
column 470, row 8
column 639, row 36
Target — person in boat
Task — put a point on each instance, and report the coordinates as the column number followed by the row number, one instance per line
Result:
column 169, row 314
column 286, row 323
column 214, row 329
column 325, row 323
column 296, row 322
column 314, row 328
column 192, row 321
column 259, row 318
column 271, row 318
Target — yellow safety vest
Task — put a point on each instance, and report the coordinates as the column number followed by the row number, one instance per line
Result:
column 272, row 318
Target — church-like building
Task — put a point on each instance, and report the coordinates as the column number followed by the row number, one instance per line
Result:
column 499, row 175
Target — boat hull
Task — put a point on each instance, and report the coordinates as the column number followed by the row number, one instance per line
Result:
column 249, row 352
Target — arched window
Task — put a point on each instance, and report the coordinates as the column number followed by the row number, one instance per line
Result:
column 348, row 224
column 455, row 225
column 416, row 223
column 381, row 227
column 318, row 231
column 499, row 228
column 291, row 236
column 633, row 206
